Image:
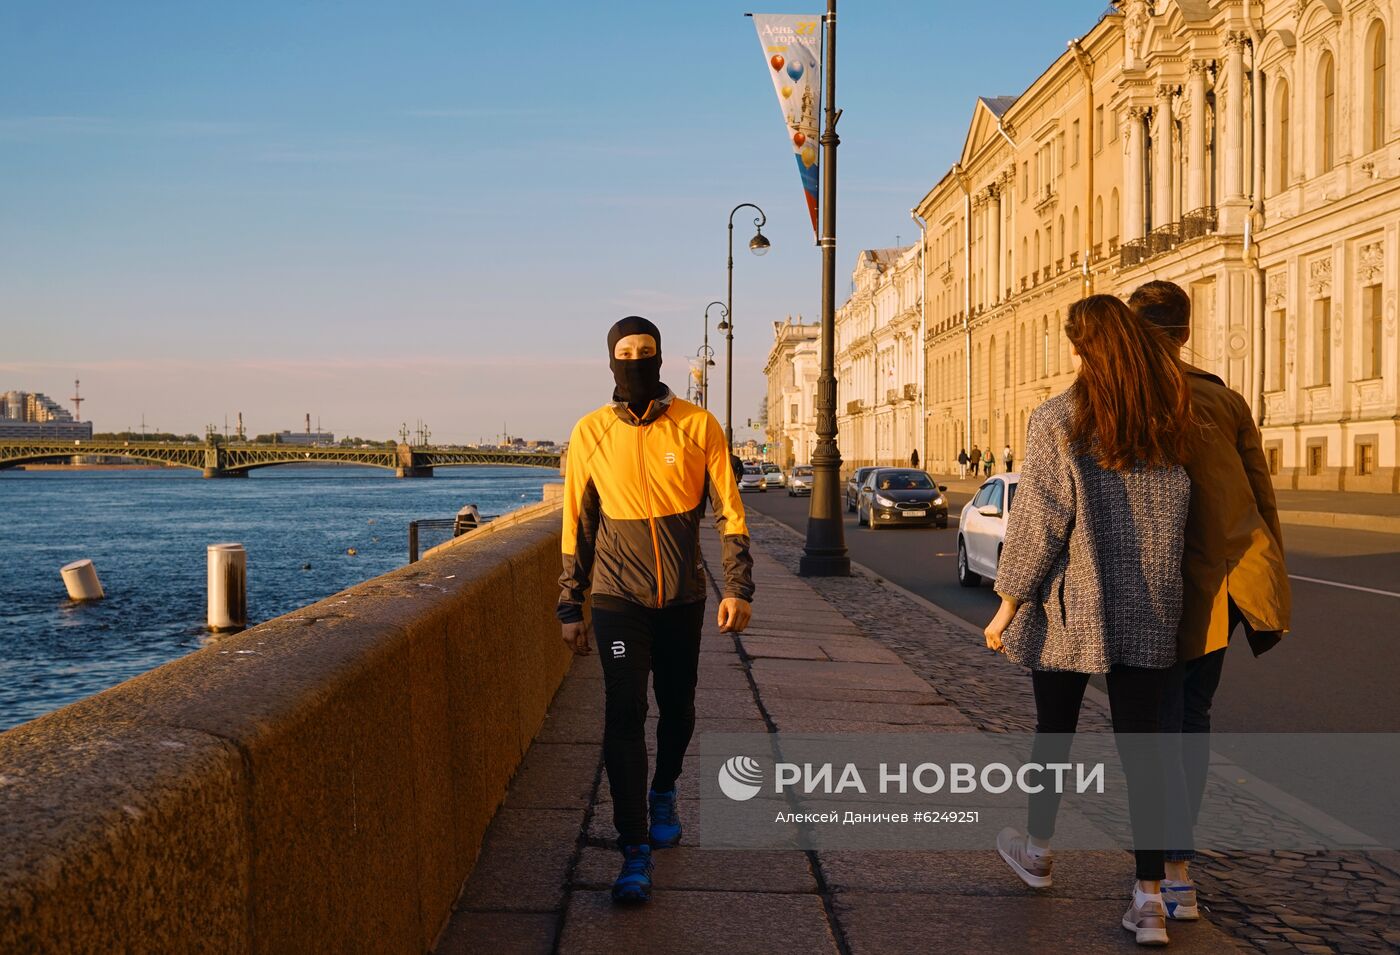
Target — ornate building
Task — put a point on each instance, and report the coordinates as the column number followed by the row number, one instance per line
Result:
column 791, row 370
column 877, row 360
column 1246, row 151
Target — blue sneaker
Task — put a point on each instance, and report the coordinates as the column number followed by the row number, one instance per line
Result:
column 634, row 881
column 665, row 821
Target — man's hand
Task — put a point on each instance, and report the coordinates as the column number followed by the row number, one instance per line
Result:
column 576, row 638
column 734, row 614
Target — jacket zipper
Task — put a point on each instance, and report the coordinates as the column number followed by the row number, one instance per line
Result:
column 651, row 514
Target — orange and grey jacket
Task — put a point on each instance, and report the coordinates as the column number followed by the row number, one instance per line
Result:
column 634, row 493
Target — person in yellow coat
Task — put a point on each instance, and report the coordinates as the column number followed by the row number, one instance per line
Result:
column 1233, row 574
column 636, row 480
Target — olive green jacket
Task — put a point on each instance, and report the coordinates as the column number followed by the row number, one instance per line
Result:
column 1234, row 544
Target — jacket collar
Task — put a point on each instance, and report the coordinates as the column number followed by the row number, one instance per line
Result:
column 1200, row 373
column 655, row 410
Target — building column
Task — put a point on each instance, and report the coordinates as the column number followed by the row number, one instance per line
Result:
column 1133, row 133
column 1196, row 141
column 994, row 252
column 1234, row 116
column 1162, row 158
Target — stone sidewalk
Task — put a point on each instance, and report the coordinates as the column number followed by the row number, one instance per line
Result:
column 541, row 882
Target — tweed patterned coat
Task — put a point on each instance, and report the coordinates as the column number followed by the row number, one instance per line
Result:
column 1092, row 555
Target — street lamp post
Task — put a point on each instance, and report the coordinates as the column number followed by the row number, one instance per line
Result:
column 709, row 356
column 758, row 245
column 825, row 553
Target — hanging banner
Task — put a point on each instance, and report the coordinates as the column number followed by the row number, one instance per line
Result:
column 792, row 46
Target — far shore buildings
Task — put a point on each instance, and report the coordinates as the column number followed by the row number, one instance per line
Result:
column 32, row 414
column 1249, row 152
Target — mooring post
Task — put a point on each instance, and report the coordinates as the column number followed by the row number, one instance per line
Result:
column 228, row 588
column 80, row 577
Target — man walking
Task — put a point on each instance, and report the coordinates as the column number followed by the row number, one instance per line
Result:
column 1006, row 458
column 635, row 485
column 1233, row 572
column 975, row 459
column 989, row 461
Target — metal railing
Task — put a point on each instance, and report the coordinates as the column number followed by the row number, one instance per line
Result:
column 1164, row 238
column 439, row 530
column 1133, row 252
column 1198, row 223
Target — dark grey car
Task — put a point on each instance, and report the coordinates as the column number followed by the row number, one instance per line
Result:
column 893, row 497
column 853, row 485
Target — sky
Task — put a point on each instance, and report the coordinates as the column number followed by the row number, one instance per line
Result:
column 380, row 213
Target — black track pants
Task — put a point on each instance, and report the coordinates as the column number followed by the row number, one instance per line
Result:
column 635, row 642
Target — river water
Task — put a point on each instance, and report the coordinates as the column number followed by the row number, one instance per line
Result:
column 146, row 531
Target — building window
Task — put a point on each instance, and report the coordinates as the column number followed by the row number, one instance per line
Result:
column 1098, row 220
column 1372, row 336
column 1025, row 180
column 1317, row 455
column 1098, row 128
column 1327, row 113
column 1115, row 215
column 1044, row 351
column 1282, row 134
column 1278, row 344
column 1375, row 92
column 793, row 413
column 1074, row 152
column 1322, row 342
column 1365, row 458
column 1113, row 127
column 1272, row 457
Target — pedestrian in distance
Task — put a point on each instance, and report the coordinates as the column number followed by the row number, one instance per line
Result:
column 962, row 462
column 1079, row 597
column 1234, row 574
column 989, row 462
column 1006, row 458
column 974, row 458
column 914, row 458
column 635, row 485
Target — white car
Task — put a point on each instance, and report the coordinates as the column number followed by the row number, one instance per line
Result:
column 800, row 481
column 982, row 528
column 752, row 479
column 773, row 476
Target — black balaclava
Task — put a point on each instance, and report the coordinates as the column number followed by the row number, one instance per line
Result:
column 638, row 379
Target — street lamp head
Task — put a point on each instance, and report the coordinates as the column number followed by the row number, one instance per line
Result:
column 723, row 326
column 759, row 244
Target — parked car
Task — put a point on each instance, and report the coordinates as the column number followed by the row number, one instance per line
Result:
column 752, row 479
column 773, row 476
column 982, row 528
column 853, row 484
column 800, row 482
column 901, row 496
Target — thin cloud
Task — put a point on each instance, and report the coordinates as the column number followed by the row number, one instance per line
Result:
column 473, row 112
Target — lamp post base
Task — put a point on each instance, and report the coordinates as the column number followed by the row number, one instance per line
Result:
column 824, row 565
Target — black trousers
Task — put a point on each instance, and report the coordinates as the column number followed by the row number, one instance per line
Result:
column 1134, row 696
column 634, row 643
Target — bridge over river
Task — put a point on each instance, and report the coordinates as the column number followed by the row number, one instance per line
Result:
column 236, row 460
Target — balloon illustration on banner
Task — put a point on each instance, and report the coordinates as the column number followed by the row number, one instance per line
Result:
column 791, row 44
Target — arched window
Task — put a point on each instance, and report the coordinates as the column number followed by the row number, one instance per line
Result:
column 991, row 364
column 1074, row 232
column 1375, row 88
column 1045, row 347
column 1025, row 258
column 1035, row 269
column 1098, row 220
column 1021, row 333
column 1061, row 246
column 1115, row 215
column 1282, row 136
column 1326, row 113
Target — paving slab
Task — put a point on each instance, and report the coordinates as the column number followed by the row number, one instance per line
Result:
column 690, row 867
column 523, row 861
column 756, row 647
column 555, row 776
column 499, row 933
column 816, row 691
column 783, row 708
column 1078, row 875
column 879, row 923
column 697, row 923
column 863, row 675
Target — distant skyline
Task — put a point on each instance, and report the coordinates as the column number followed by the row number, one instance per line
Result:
column 378, row 215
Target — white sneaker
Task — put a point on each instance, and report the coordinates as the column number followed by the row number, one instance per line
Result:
column 1033, row 868
column 1147, row 919
column 1179, row 898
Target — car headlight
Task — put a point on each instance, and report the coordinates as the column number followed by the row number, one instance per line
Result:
column 938, row 501
column 883, row 501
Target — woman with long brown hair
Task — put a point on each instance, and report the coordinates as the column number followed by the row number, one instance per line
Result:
column 1090, row 571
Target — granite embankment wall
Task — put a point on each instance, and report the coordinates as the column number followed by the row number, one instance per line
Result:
column 318, row 783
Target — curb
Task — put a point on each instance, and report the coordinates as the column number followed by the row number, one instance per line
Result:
column 1377, row 523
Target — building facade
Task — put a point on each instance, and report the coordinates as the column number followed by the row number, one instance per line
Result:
column 791, row 371
column 32, row 414
column 878, row 360
column 1248, row 152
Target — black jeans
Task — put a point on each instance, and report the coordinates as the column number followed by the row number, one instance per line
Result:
column 1134, row 696
column 634, row 643
column 1190, row 691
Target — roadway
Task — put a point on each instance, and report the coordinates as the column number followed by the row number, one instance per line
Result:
column 1335, row 672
